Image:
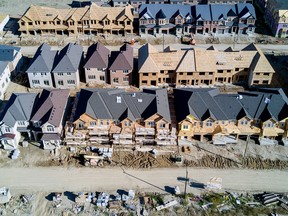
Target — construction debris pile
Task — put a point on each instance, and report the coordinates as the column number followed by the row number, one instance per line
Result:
column 138, row 159
column 259, row 163
column 212, row 162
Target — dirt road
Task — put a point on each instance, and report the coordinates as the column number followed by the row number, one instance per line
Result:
column 22, row 180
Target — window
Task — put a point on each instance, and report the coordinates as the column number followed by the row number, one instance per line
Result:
column 87, row 68
column 151, row 123
column 265, row 82
column 101, row 122
column 202, row 73
column 71, row 82
column 209, row 123
column 113, row 71
column 69, row 74
column 127, row 124
column 21, row 123
column 80, row 125
column 43, row 74
column 145, row 74
column 46, row 82
column 93, row 123
column 60, row 74
column 128, row 22
column 100, row 69
column 220, row 71
column 125, row 71
column 50, row 128
column 244, row 122
column 237, row 69
column 91, row 77
column 116, row 80
column 35, row 81
column 7, row 130
column 34, row 74
column 210, row 73
column 185, row 127
column 228, row 71
column 162, row 125
column 125, row 79
column 266, row 74
column 102, row 78
column 60, row 82
column 181, row 73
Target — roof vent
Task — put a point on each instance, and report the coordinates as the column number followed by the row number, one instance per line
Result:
column 267, row 100
column 118, row 99
column 139, row 100
column 239, row 97
column 49, row 15
column 133, row 94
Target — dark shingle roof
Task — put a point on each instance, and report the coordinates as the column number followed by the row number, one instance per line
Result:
column 204, row 103
column 43, row 60
column 102, row 104
column 244, row 8
column 51, row 106
column 19, row 108
column 97, row 56
column 7, row 53
column 123, row 59
column 160, row 15
column 68, row 59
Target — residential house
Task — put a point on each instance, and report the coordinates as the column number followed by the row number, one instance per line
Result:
column 50, row 117
column 199, row 19
column 247, row 18
column 10, row 63
column 67, row 68
column 276, row 16
column 163, row 19
column 189, row 67
column 4, row 18
column 96, row 64
column 207, row 114
column 39, row 71
column 91, row 19
column 119, row 117
column 224, row 19
column 15, row 119
column 119, row 3
column 121, row 66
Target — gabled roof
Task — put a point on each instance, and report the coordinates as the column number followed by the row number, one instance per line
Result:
column 259, row 62
column 8, row 53
column 244, row 9
column 43, row 60
column 203, row 12
column 150, row 11
column 205, row 103
column 222, row 11
column 19, row 108
column 102, row 104
column 97, row 56
column 68, row 59
column 51, row 106
column 123, row 59
column 160, row 15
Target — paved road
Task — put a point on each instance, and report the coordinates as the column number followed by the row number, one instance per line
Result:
column 110, row 179
column 267, row 48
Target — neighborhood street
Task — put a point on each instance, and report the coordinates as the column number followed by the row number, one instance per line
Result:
column 37, row 179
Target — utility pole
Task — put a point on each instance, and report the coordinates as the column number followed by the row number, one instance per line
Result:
column 186, row 180
column 163, row 42
column 247, row 141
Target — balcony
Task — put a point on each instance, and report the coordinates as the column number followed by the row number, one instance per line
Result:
column 144, row 131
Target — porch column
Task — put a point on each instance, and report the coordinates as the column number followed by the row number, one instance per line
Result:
column 201, row 138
